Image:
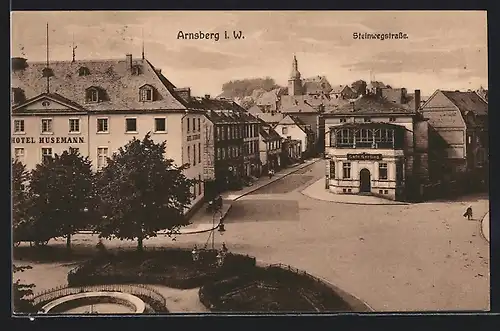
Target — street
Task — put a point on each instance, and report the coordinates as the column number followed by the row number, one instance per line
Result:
column 395, row 258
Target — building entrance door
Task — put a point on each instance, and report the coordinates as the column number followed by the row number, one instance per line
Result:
column 364, row 181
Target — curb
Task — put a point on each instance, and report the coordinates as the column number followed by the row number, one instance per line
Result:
column 359, row 203
column 277, row 178
column 351, row 299
column 483, row 226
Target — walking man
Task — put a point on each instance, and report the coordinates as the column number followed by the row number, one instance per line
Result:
column 468, row 213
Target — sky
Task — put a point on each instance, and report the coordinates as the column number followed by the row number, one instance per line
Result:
column 444, row 50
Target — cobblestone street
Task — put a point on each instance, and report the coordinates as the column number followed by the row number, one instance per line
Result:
column 395, row 258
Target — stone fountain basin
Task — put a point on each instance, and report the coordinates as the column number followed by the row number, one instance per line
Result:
column 69, row 302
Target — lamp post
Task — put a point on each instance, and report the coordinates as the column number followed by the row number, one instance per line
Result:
column 216, row 214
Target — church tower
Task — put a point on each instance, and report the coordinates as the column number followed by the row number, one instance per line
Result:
column 295, row 83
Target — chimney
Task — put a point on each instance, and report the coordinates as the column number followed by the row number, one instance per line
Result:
column 129, row 60
column 207, row 96
column 19, row 63
column 158, row 71
column 184, row 93
column 417, row 100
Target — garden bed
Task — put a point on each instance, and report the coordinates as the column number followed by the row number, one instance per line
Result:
column 272, row 289
column 171, row 268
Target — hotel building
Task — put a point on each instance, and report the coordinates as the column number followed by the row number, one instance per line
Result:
column 96, row 107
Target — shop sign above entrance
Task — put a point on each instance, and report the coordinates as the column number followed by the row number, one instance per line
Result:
column 364, row 157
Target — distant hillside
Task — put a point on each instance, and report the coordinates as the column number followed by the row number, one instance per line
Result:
column 246, row 91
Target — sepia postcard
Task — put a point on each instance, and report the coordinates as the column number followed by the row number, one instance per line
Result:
column 249, row 162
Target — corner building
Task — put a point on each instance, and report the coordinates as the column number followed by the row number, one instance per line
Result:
column 376, row 147
column 98, row 106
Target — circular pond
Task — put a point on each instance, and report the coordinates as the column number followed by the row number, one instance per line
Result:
column 95, row 303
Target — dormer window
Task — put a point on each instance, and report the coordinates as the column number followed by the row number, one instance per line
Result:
column 17, row 95
column 146, row 93
column 93, row 94
column 83, row 71
column 136, row 70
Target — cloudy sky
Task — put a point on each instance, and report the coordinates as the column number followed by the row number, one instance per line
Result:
column 446, row 50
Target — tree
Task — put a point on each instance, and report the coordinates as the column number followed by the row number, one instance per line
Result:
column 21, row 293
column 19, row 199
column 142, row 192
column 359, row 87
column 63, row 199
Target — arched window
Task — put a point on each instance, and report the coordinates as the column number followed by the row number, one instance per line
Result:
column 83, row 71
column 146, row 93
column 92, row 95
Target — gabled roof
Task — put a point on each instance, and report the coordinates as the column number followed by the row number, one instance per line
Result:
column 367, row 105
column 267, row 132
column 376, row 84
column 50, row 96
column 112, row 76
column 339, row 89
column 468, row 101
column 290, row 119
column 316, row 85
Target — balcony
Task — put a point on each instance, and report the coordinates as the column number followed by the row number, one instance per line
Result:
column 367, row 136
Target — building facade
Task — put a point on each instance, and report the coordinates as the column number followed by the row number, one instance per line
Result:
column 269, row 147
column 371, row 147
column 231, row 148
column 97, row 107
column 460, row 120
column 293, row 128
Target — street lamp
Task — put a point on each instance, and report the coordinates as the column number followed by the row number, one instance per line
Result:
column 195, row 254
column 217, row 213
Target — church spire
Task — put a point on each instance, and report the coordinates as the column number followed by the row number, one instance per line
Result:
column 295, row 69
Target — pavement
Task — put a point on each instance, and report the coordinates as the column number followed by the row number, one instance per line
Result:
column 317, row 191
column 419, row 257
column 485, row 226
column 202, row 221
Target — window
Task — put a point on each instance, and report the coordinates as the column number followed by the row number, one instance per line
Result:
column 46, row 154
column 131, row 125
column 47, row 125
column 382, row 171
column 189, row 154
column 199, row 124
column 199, row 152
column 392, row 119
column 219, row 133
column 332, row 169
column 18, row 126
column 367, row 119
column 146, row 94
column 19, row 154
column 284, row 130
column 218, row 153
column 346, row 170
column 102, row 125
column 194, row 124
column 83, row 71
column 194, row 155
column 189, row 126
column 160, row 125
column 343, row 120
column 92, row 95
column 469, row 139
column 102, row 157
column 386, row 191
column 74, row 150
column 74, row 125
column 223, row 154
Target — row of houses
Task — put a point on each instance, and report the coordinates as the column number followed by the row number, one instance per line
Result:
column 96, row 107
column 386, row 141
